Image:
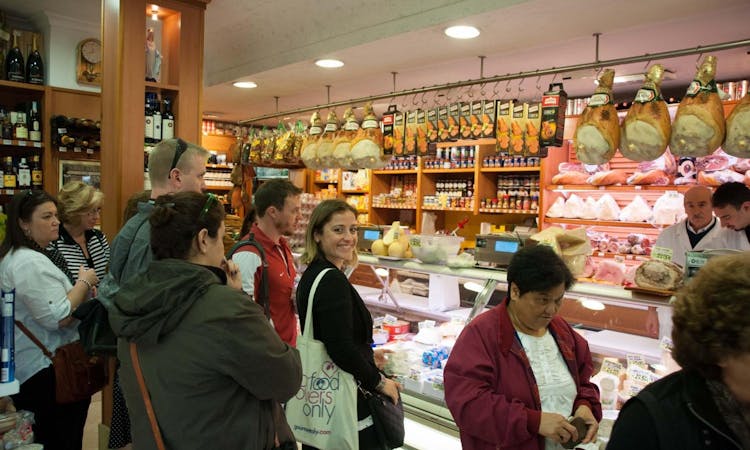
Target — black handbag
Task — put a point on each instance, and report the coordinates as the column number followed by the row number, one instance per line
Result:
column 387, row 418
column 96, row 333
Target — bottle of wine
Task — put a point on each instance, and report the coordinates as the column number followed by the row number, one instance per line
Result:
column 149, row 121
column 36, row 173
column 60, row 124
column 167, row 120
column 24, row 174
column 9, row 173
column 7, row 127
column 64, row 140
column 14, row 68
column 156, row 118
column 21, row 132
column 35, row 129
column 34, row 65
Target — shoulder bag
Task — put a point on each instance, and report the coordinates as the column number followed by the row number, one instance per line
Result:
column 323, row 413
column 78, row 376
column 387, row 417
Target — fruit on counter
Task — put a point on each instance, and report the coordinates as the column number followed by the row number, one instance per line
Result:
column 598, row 133
column 394, row 243
column 396, row 249
column 647, row 128
column 379, row 248
column 737, row 142
column 656, row 274
column 699, row 127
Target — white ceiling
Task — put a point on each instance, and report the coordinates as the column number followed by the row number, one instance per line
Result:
column 275, row 43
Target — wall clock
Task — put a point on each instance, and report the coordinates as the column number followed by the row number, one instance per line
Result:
column 89, row 61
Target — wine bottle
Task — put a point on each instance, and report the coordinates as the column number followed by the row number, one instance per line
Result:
column 20, row 132
column 9, row 173
column 34, row 65
column 35, row 129
column 149, row 121
column 36, row 172
column 14, row 68
column 167, row 120
column 24, row 174
column 156, row 119
column 64, row 140
column 60, row 124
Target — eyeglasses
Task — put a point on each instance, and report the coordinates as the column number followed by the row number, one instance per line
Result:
column 210, row 201
column 181, row 147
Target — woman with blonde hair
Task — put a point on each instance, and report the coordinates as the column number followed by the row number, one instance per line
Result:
column 80, row 242
column 340, row 318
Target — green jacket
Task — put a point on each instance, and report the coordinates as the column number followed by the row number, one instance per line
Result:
column 212, row 362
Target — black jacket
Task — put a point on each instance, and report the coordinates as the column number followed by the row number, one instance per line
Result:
column 676, row 412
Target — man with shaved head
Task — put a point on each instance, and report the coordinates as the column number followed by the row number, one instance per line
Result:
column 699, row 231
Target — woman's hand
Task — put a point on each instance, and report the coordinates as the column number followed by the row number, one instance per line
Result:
column 391, row 389
column 380, row 357
column 234, row 278
column 557, row 428
column 584, row 412
column 88, row 276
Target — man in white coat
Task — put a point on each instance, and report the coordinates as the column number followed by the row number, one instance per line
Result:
column 700, row 230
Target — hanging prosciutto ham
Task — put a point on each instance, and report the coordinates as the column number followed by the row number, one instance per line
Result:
column 598, row 133
column 738, row 130
column 646, row 129
column 698, row 128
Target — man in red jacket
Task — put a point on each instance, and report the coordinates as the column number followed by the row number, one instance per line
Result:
column 277, row 213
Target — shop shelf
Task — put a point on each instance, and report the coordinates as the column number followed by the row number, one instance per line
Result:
column 507, row 211
column 623, row 188
column 393, row 207
column 448, row 171
column 464, row 142
column 509, row 169
column 439, row 208
column 604, row 223
column 395, row 172
column 21, row 143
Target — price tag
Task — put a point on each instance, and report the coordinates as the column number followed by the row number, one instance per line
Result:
column 666, row 343
column 38, row 144
column 638, row 187
column 611, row 367
column 7, row 142
column 662, row 254
column 640, row 376
column 62, row 149
column 636, row 361
column 77, row 149
column 22, row 143
column 90, row 151
column 389, row 319
column 693, row 262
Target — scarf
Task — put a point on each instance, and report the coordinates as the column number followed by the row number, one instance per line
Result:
column 54, row 255
column 736, row 417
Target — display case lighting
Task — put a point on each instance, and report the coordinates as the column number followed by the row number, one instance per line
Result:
column 154, row 12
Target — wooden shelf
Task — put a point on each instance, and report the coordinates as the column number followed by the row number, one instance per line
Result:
column 345, row 191
column 509, row 169
column 625, row 188
column 154, row 86
column 393, row 207
column 625, row 256
column 438, row 208
column 448, row 171
column 219, row 166
column 601, row 223
column 464, row 142
column 219, row 135
column 326, row 181
column 25, row 86
column 280, row 165
column 210, row 187
column 395, row 172
column 362, row 211
column 507, row 211
column 78, row 156
column 21, row 143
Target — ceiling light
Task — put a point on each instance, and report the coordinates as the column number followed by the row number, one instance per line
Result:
column 245, row 84
column 473, row 286
column 593, row 305
column 462, row 32
column 329, row 63
column 154, row 12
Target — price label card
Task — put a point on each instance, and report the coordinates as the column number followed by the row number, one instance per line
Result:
column 640, row 376
column 22, row 143
column 389, row 319
column 90, row 151
column 77, row 149
column 62, row 149
column 7, row 142
column 666, row 343
column 636, row 361
column 611, row 367
column 62, row 131
column 662, row 254
column 38, row 144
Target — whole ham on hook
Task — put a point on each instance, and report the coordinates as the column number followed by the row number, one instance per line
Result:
column 646, row 129
column 738, row 130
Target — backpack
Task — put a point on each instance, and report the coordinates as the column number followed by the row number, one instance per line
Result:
column 263, row 295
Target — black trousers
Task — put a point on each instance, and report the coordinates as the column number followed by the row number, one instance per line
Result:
column 57, row 427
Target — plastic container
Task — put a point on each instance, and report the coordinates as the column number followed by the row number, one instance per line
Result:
column 434, row 248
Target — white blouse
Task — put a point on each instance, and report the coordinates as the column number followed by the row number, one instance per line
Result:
column 41, row 301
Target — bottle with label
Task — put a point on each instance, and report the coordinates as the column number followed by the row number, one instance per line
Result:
column 167, row 120
column 34, row 65
column 35, row 128
column 2, row 172
column 156, row 120
column 149, row 120
column 9, row 173
column 14, row 67
column 63, row 140
column 7, row 127
column 24, row 174
column 21, row 131
column 37, row 177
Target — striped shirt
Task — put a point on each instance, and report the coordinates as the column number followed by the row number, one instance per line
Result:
column 96, row 245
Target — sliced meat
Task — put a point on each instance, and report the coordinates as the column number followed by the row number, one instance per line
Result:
column 652, row 177
column 665, row 162
column 742, row 165
column 712, row 163
column 608, row 178
column 610, row 272
column 719, row 177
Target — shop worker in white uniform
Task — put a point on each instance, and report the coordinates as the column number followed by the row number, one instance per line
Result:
column 700, row 230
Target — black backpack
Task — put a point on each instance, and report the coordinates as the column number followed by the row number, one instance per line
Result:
column 263, row 296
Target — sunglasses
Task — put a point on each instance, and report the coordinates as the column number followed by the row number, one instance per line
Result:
column 181, row 147
column 210, row 202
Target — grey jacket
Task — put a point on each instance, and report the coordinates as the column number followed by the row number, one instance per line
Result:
column 211, row 361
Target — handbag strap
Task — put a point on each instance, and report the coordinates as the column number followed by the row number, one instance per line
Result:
column 310, row 298
column 146, row 397
column 34, row 339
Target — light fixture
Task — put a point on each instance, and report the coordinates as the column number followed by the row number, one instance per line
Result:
column 329, row 63
column 381, row 272
column 154, row 12
column 593, row 305
column 245, row 84
column 462, row 32
column 473, row 286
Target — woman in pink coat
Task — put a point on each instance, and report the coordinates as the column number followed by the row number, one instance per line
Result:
column 519, row 371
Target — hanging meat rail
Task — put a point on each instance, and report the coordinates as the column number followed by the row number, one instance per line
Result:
column 511, row 76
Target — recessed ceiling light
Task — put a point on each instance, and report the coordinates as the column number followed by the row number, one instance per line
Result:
column 462, row 32
column 245, row 84
column 329, row 63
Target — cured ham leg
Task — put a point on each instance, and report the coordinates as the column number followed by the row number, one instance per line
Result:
column 598, row 133
column 699, row 127
column 646, row 129
column 738, row 130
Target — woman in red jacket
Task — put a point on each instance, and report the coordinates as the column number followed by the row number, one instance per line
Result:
column 518, row 371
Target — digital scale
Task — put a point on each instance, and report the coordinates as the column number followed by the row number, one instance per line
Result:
column 366, row 235
column 496, row 250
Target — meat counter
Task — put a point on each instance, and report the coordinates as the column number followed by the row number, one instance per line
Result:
column 613, row 320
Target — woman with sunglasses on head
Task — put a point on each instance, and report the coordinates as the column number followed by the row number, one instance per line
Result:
column 79, row 242
column 214, row 368
column 45, row 296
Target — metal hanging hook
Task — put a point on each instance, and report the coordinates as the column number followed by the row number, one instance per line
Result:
column 424, row 100
column 698, row 61
column 507, row 87
column 495, row 94
column 414, row 100
column 481, row 89
column 521, row 88
column 539, row 83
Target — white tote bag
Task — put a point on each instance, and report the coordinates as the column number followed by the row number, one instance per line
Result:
column 323, row 413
